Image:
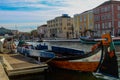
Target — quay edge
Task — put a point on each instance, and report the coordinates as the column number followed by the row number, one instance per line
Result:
column 3, row 75
column 16, row 64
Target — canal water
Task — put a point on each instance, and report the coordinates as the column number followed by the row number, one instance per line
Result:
column 61, row 74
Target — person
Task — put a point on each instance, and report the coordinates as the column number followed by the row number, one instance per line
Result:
column 10, row 45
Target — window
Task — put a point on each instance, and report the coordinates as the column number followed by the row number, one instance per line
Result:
column 105, row 9
column 80, row 27
column 98, row 26
column 97, row 18
column 91, row 16
column 80, row 19
column 84, row 24
column 109, row 16
column 84, row 18
column 119, row 15
column 102, row 17
column 118, row 23
column 119, row 32
column 108, row 8
column 119, row 7
column 102, row 9
column 95, row 26
column 103, row 25
column 106, row 25
column 109, row 24
column 90, row 25
column 96, row 11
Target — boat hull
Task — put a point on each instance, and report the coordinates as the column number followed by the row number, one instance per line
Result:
column 81, row 66
column 88, row 63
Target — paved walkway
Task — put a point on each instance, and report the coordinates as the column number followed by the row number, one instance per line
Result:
column 3, row 75
column 17, row 64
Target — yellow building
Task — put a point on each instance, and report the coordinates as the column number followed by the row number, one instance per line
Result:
column 84, row 23
column 60, row 27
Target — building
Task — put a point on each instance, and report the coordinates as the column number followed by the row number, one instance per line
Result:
column 84, row 23
column 60, row 27
column 107, row 18
column 15, row 32
column 42, row 31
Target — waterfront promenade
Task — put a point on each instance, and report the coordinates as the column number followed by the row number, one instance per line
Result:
column 3, row 75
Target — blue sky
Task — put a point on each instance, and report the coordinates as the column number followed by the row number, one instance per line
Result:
column 25, row 15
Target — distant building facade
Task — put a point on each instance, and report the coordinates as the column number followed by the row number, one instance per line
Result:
column 60, row 27
column 84, row 23
column 107, row 18
column 42, row 31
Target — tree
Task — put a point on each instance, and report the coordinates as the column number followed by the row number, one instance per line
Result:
column 34, row 33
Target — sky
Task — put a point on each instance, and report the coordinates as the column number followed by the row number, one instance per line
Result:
column 26, row 15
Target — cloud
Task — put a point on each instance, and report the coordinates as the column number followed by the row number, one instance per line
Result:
column 29, row 5
column 40, row 11
column 79, row 6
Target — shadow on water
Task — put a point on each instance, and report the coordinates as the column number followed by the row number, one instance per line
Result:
column 61, row 74
column 57, row 74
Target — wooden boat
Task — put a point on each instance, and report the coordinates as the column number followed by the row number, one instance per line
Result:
column 33, row 51
column 100, row 59
column 86, row 40
column 43, row 52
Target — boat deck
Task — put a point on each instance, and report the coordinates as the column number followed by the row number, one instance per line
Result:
column 17, row 64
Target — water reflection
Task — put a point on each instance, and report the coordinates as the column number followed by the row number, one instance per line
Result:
column 60, row 74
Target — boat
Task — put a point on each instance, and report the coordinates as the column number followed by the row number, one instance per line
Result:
column 30, row 50
column 101, row 59
column 88, row 40
column 42, row 51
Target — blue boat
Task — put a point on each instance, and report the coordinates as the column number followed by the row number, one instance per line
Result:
column 34, row 51
column 43, row 52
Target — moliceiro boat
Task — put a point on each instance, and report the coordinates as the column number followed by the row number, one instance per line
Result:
column 101, row 58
